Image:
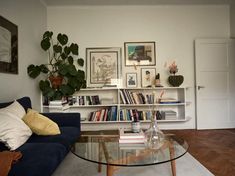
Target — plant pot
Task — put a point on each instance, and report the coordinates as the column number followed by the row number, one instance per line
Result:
column 176, row 80
column 56, row 81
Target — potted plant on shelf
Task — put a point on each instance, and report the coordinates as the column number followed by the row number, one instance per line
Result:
column 62, row 76
column 175, row 80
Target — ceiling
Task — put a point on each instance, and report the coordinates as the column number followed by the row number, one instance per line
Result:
column 133, row 2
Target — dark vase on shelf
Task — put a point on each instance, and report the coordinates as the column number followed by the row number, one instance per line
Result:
column 175, row 80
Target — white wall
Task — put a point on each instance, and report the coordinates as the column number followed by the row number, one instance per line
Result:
column 174, row 28
column 232, row 20
column 30, row 17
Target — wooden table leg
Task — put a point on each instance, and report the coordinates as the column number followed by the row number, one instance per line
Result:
column 110, row 170
column 100, row 158
column 172, row 153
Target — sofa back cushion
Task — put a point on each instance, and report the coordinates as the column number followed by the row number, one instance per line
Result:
column 24, row 101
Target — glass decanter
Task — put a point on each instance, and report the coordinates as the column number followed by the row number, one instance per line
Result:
column 154, row 136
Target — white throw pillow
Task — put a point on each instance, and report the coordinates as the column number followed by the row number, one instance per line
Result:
column 17, row 109
column 13, row 131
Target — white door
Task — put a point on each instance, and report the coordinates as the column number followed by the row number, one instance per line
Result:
column 215, row 83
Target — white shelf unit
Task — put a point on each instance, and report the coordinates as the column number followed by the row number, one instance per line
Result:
column 178, row 93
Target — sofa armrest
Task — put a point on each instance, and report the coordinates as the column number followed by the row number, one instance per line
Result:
column 65, row 119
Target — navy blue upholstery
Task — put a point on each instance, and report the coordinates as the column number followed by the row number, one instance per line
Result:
column 42, row 154
column 24, row 101
column 67, row 137
column 39, row 159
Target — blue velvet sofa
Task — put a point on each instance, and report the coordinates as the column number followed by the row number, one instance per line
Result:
column 42, row 154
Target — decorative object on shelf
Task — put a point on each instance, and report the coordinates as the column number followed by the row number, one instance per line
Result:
column 147, row 76
column 103, row 66
column 140, row 54
column 9, row 46
column 157, row 81
column 63, row 78
column 175, row 80
column 131, row 80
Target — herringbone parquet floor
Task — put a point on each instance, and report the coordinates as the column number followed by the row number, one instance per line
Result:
column 215, row 149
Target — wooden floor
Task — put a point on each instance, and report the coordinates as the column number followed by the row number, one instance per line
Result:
column 215, row 149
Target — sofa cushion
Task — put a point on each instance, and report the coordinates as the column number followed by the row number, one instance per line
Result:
column 38, row 159
column 39, row 124
column 67, row 137
column 24, row 101
column 13, row 131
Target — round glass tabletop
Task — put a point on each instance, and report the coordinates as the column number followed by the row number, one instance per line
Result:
column 107, row 150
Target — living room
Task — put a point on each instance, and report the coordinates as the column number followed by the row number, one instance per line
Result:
column 173, row 26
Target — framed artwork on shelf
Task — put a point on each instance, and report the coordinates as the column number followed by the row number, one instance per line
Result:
column 8, row 47
column 131, row 80
column 140, row 53
column 103, row 66
column 147, row 77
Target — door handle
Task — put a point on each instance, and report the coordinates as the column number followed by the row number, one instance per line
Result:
column 200, row 87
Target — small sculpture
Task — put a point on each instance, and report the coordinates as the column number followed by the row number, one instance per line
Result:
column 157, row 81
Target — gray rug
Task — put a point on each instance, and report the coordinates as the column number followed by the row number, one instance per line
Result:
column 185, row 166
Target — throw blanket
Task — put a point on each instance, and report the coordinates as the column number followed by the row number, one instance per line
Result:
column 8, row 158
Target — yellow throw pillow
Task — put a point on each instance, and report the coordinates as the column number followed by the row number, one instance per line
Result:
column 39, row 124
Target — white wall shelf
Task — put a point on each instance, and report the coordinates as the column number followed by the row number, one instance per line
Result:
column 178, row 93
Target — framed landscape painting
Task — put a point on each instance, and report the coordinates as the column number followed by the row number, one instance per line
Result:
column 8, row 47
column 103, row 66
column 140, row 53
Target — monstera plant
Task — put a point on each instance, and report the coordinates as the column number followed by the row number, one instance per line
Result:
column 62, row 76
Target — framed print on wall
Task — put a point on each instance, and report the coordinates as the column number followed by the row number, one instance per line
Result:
column 131, row 80
column 148, row 77
column 103, row 66
column 8, row 46
column 140, row 53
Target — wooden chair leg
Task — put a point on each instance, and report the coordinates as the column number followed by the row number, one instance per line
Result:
column 173, row 165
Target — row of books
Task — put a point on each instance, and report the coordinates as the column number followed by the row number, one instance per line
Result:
column 134, row 114
column 129, row 97
column 105, row 114
column 86, row 100
column 110, row 114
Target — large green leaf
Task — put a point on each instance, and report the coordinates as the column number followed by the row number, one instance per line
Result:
column 43, row 68
column 64, row 56
column 73, row 82
column 80, row 62
column 45, row 44
column 47, row 34
column 58, row 95
column 67, row 50
column 72, row 70
column 80, row 75
column 67, row 90
column 57, row 48
column 33, row 71
column 70, row 60
column 62, row 38
column 74, row 48
column 63, row 69
column 43, row 85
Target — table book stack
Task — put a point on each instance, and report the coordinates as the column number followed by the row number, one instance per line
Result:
column 131, row 140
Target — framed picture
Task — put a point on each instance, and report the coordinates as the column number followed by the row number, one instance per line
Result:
column 131, row 80
column 140, row 53
column 103, row 66
column 8, row 46
column 148, row 77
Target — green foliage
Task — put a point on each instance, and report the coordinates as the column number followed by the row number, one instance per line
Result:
column 61, row 55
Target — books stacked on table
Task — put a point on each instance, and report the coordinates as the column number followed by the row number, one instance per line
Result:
column 128, row 137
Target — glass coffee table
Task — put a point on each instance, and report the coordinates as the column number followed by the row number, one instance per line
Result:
column 103, row 148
